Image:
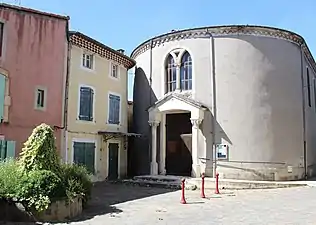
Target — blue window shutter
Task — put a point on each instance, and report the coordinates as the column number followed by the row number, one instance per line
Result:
column 114, row 109
column 111, row 109
column 10, row 149
column 117, row 112
column 2, row 92
column 91, row 93
column 86, row 104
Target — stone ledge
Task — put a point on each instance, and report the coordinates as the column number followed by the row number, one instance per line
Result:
column 174, row 182
column 242, row 184
column 61, row 210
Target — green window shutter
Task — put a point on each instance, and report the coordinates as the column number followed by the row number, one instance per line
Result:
column 89, row 157
column 10, row 149
column 2, row 150
column 79, row 157
column 2, row 91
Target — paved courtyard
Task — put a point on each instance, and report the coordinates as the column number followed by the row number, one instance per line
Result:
column 119, row 204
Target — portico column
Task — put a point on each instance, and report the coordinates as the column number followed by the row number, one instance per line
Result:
column 162, row 150
column 195, row 147
column 154, row 164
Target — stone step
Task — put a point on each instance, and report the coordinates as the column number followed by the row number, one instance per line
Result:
column 159, row 182
column 159, row 178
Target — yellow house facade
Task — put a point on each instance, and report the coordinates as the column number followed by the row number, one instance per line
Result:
column 97, row 109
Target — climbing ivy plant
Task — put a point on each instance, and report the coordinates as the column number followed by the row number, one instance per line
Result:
column 39, row 151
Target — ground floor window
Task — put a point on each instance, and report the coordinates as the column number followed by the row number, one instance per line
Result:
column 84, row 154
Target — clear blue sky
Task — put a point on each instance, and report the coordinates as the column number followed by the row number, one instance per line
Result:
column 127, row 23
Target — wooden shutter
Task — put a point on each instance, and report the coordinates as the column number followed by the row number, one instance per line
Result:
column 114, row 109
column 79, row 154
column 90, row 157
column 10, row 149
column 2, row 94
column 86, row 104
column 111, row 112
column 117, row 110
column 91, row 93
column 2, row 150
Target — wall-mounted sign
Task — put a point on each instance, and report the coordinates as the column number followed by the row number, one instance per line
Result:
column 222, row 151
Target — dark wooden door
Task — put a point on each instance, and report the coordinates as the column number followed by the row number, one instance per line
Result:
column 113, row 161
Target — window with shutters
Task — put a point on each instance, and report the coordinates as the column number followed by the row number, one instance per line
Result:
column 86, row 103
column 84, row 154
column 114, row 71
column 7, row 149
column 87, row 60
column 114, row 109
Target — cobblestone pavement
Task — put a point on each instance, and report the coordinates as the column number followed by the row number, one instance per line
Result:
column 119, row 204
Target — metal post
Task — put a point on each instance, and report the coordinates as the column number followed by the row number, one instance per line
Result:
column 216, row 184
column 202, row 186
column 183, row 201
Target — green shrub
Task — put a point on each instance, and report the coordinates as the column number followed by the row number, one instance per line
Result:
column 38, row 187
column 39, row 152
column 77, row 180
column 10, row 177
column 38, row 177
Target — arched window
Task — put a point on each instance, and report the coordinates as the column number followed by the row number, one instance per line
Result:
column 171, row 74
column 186, row 72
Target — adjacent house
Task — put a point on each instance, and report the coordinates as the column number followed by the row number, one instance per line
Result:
column 33, row 64
column 238, row 100
column 97, row 109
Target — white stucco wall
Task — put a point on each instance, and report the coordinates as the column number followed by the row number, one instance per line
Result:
column 259, row 102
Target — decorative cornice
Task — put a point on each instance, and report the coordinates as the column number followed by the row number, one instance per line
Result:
column 206, row 32
column 85, row 42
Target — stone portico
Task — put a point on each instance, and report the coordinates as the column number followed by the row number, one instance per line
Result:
column 170, row 104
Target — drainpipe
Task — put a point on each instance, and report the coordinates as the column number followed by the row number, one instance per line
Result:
column 214, row 109
column 65, row 125
column 304, row 112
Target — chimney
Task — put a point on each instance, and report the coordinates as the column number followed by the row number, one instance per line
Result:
column 121, row 51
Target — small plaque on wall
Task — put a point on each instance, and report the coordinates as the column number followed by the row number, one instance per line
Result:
column 222, row 151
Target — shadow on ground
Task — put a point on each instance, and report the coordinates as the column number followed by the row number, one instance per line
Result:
column 105, row 195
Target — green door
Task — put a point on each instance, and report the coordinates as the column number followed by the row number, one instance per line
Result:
column 113, row 161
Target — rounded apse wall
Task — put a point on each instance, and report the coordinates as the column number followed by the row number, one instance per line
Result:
column 258, row 97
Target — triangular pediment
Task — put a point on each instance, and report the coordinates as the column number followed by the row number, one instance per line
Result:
column 176, row 101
